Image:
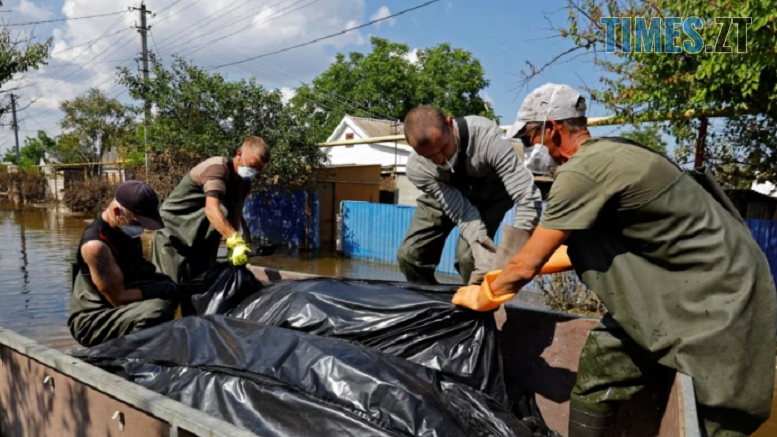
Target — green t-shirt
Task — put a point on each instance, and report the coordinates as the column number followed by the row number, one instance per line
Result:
column 681, row 275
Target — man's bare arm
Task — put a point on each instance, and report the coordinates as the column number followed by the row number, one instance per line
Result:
column 106, row 275
column 216, row 217
column 528, row 263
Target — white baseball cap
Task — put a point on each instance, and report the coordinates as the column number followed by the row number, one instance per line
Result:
column 550, row 101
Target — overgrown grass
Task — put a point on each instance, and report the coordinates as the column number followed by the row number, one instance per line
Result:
column 564, row 292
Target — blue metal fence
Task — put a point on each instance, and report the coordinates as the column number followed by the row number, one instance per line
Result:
column 765, row 233
column 374, row 231
column 281, row 218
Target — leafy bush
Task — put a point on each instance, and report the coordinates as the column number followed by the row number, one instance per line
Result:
column 90, row 195
column 28, row 186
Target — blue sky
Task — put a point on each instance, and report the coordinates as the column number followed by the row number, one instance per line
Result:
column 502, row 34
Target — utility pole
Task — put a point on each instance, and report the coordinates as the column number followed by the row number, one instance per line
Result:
column 143, row 31
column 15, row 127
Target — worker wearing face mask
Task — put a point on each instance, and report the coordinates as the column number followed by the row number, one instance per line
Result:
column 206, row 206
column 470, row 177
column 116, row 291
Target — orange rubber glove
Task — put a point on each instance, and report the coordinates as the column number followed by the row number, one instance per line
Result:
column 481, row 298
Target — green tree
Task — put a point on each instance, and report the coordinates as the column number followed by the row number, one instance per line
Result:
column 740, row 86
column 649, row 135
column 386, row 84
column 18, row 53
column 199, row 114
column 33, row 151
column 93, row 123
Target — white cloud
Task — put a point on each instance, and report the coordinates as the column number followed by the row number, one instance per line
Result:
column 383, row 12
column 257, row 30
column 287, row 94
column 448, row 6
column 412, row 56
column 31, row 10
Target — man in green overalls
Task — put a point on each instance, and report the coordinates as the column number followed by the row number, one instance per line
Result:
column 115, row 291
column 470, row 177
column 685, row 284
column 205, row 206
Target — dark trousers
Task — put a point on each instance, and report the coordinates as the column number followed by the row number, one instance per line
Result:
column 420, row 252
column 90, row 328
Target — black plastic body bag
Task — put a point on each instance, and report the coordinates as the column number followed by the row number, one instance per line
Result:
column 279, row 382
column 414, row 322
column 400, row 360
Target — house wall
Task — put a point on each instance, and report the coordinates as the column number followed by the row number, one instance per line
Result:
column 366, row 154
column 336, row 184
column 408, row 193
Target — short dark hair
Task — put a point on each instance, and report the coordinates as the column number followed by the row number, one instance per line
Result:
column 420, row 121
column 575, row 125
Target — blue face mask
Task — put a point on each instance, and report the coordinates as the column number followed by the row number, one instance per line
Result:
column 132, row 231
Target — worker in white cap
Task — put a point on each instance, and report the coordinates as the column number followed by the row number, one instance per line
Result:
column 685, row 284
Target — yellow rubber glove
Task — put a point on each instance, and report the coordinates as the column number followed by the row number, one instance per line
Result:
column 239, row 255
column 235, row 240
column 480, row 297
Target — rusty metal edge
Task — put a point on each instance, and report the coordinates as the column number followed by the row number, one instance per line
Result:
column 690, row 414
column 174, row 413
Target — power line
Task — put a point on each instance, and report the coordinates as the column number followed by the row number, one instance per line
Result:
column 90, row 42
column 178, row 11
column 328, row 36
column 65, row 19
column 277, row 15
column 266, row 20
column 215, row 15
column 171, row 5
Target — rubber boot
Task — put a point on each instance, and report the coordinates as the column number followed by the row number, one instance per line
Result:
column 588, row 423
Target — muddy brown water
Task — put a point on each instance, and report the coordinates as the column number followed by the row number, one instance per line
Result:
column 37, row 245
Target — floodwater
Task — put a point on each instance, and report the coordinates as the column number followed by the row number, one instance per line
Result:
column 37, row 246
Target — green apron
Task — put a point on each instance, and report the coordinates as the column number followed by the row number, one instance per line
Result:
column 420, row 252
column 686, row 287
column 188, row 245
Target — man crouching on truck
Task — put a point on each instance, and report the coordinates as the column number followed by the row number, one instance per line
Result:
column 685, row 284
column 116, row 292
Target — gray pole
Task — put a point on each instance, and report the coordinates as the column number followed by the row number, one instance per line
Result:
column 143, row 31
column 15, row 128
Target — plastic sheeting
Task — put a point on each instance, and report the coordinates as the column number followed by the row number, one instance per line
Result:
column 230, row 285
column 417, row 323
column 278, row 382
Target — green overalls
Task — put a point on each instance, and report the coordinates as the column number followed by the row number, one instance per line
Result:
column 94, row 320
column 420, row 252
column 188, row 245
column 685, row 284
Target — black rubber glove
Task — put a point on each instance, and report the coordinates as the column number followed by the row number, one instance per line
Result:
column 165, row 290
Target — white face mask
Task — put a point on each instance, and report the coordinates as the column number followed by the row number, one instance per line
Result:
column 537, row 158
column 449, row 163
column 132, row 231
column 247, row 173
